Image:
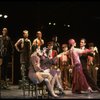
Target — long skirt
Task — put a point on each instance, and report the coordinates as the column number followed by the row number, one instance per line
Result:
column 79, row 82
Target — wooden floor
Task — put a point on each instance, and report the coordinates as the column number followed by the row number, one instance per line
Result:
column 14, row 93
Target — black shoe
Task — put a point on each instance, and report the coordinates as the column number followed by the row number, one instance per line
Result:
column 62, row 92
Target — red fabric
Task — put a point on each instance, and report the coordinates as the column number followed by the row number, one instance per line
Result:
column 54, row 53
column 79, row 81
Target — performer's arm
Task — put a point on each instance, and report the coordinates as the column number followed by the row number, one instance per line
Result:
column 16, row 45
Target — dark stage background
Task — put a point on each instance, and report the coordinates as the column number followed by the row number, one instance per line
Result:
column 76, row 19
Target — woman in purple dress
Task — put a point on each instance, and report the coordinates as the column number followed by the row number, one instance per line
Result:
column 49, row 64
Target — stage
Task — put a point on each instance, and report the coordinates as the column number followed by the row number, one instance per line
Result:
column 13, row 92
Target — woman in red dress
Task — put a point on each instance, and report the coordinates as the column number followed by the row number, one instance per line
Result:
column 79, row 82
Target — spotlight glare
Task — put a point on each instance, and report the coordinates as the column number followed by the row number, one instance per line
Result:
column 5, row 16
column 54, row 23
column 0, row 15
column 49, row 23
column 68, row 25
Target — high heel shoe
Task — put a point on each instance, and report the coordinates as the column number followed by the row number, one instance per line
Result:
column 90, row 90
column 52, row 94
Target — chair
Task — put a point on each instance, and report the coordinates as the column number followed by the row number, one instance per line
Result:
column 30, row 87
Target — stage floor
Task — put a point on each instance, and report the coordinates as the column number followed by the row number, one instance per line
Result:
column 14, row 93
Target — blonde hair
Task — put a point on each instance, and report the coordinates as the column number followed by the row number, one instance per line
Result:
column 4, row 29
column 25, row 31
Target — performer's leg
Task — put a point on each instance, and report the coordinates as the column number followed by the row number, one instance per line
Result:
column 50, row 89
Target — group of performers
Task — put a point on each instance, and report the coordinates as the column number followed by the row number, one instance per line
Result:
column 62, row 66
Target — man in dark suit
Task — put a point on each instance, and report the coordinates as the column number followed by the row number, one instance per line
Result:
column 83, row 59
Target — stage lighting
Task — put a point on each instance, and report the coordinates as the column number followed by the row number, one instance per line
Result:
column 68, row 25
column 54, row 23
column 5, row 16
column 0, row 15
column 49, row 23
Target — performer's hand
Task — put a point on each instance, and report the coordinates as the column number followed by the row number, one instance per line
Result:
column 96, row 68
column 95, row 49
column 70, row 70
column 58, row 56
